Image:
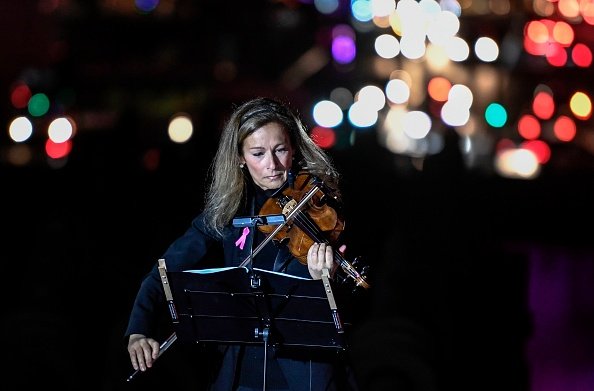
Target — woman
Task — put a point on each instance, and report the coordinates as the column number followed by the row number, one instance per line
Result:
column 258, row 147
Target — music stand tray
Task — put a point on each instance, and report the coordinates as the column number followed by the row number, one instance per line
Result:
column 250, row 306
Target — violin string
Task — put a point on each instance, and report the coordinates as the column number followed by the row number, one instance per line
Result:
column 307, row 224
column 312, row 229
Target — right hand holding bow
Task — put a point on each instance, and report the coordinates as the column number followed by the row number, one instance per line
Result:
column 143, row 351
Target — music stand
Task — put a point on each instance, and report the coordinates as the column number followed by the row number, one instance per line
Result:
column 221, row 305
column 247, row 305
column 224, row 306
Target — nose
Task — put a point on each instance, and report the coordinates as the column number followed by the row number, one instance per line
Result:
column 273, row 161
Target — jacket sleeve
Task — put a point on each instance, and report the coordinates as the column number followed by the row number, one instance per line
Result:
column 184, row 253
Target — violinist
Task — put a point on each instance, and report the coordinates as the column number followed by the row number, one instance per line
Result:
column 262, row 145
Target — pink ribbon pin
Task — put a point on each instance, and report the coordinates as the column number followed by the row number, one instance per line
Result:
column 241, row 241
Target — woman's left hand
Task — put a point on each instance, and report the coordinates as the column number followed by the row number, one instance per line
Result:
column 319, row 256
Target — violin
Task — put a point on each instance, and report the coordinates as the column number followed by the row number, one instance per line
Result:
column 312, row 216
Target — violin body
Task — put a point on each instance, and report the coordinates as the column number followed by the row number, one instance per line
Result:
column 313, row 216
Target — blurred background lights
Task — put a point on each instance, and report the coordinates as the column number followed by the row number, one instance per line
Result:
column 326, row 6
column 581, row 105
column 452, row 6
column 536, row 37
column 397, row 91
column 19, row 155
column 486, row 49
column 457, row 49
column 453, row 114
column 562, row 33
column 417, row 52
column 344, row 49
column 57, row 150
column 556, row 55
column 581, row 55
column 20, row 129
column 361, row 115
column 461, row 95
column 412, row 18
column 146, row 5
column 436, row 57
column 564, row 128
column 541, row 150
column 439, row 88
column 372, row 97
column 443, row 27
column 569, row 8
column 517, row 163
column 387, row 46
column 529, row 127
column 416, row 124
column 60, row 130
column 382, row 22
column 496, row 115
column 382, row 7
column 327, row 114
column 413, row 46
column 38, row 105
column 543, row 105
column 180, row 129
column 20, row 95
column 430, row 7
column 394, row 138
column 342, row 96
column 324, row 137
column 361, row 10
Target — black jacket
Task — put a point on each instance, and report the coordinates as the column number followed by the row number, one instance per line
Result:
column 310, row 372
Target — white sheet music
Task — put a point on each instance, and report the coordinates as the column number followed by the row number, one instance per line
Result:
column 222, row 269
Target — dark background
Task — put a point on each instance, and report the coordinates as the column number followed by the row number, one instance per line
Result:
column 479, row 282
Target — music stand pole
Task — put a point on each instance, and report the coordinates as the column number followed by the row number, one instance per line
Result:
column 255, row 280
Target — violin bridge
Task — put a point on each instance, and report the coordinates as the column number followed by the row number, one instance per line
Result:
column 289, row 206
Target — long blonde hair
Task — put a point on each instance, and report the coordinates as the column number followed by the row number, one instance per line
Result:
column 228, row 181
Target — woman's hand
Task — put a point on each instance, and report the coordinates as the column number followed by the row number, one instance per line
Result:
column 143, row 351
column 319, row 256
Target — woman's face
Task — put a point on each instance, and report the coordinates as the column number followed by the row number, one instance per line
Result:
column 268, row 155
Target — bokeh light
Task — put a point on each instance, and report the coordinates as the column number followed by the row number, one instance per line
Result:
column 60, row 130
column 20, row 129
column 564, row 128
column 180, row 128
column 486, row 49
column 38, row 105
column 543, row 105
column 529, row 127
column 581, row 105
column 323, row 137
column 20, row 95
column 496, row 115
column 327, row 114
column 57, row 150
column 344, row 49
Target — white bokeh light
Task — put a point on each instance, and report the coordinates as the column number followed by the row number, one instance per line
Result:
column 397, row 91
column 180, row 129
column 20, row 129
column 60, row 130
column 372, row 97
column 387, row 46
column 416, row 124
column 486, row 49
column 362, row 115
column 327, row 114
